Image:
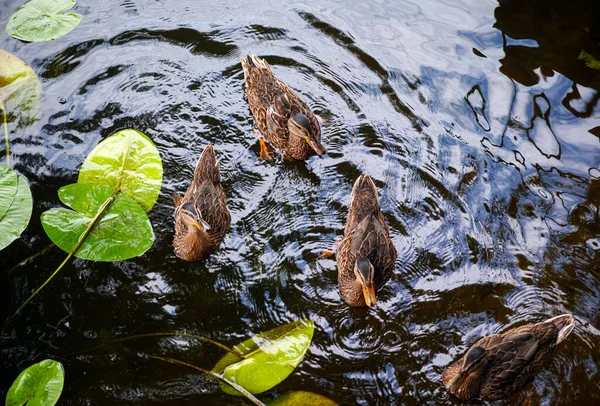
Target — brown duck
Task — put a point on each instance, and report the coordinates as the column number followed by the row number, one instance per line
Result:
column 498, row 365
column 366, row 255
column 286, row 122
column 201, row 216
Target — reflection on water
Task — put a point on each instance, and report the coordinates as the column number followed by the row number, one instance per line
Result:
column 477, row 121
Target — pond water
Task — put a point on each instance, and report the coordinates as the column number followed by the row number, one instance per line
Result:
column 478, row 121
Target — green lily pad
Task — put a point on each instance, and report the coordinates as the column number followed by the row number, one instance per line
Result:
column 129, row 160
column 43, row 20
column 20, row 89
column 16, row 217
column 39, row 385
column 301, row 398
column 124, row 231
column 270, row 357
column 8, row 188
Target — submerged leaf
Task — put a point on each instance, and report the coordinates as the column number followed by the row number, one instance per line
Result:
column 20, row 89
column 39, row 385
column 589, row 60
column 124, row 231
column 43, row 20
column 270, row 357
column 16, row 217
column 301, row 398
column 129, row 160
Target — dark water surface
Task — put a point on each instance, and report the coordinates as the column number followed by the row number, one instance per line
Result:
column 477, row 121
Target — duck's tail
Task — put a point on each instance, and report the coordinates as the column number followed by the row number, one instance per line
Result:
column 207, row 167
column 253, row 62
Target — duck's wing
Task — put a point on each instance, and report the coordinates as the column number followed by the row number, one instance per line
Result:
column 209, row 204
column 370, row 240
column 512, row 360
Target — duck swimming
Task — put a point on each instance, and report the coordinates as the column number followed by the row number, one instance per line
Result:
column 284, row 120
column 498, row 365
column 366, row 255
column 201, row 216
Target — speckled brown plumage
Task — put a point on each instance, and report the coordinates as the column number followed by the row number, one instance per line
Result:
column 204, row 200
column 366, row 235
column 498, row 365
column 272, row 103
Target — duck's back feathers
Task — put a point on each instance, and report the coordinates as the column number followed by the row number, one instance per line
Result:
column 498, row 365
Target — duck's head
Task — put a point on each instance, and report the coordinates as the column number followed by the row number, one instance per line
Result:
column 365, row 275
column 299, row 126
column 189, row 232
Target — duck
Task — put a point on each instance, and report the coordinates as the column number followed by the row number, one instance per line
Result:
column 201, row 216
column 281, row 116
column 365, row 257
column 498, row 365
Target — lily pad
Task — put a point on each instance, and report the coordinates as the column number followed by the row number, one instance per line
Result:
column 20, row 89
column 8, row 188
column 123, row 231
column 270, row 357
column 301, row 398
column 16, row 217
column 127, row 160
column 43, row 20
column 39, row 385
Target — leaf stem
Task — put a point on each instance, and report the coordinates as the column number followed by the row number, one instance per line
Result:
column 5, row 125
column 82, row 237
column 235, row 386
column 201, row 338
column 34, row 256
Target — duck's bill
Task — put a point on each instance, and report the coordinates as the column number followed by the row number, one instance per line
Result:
column 201, row 224
column 316, row 146
column 369, row 294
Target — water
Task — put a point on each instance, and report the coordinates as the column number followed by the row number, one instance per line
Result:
column 477, row 121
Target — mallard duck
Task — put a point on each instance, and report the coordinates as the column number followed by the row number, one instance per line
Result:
column 498, row 365
column 201, row 216
column 286, row 122
column 366, row 255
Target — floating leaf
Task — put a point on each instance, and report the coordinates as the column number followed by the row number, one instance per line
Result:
column 123, row 231
column 270, row 357
column 129, row 160
column 301, row 398
column 39, row 385
column 8, row 188
column 20, row 88
column 43, row 20
column 20, row 204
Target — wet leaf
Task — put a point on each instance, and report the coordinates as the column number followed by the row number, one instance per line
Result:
column 20, row 89
column 589, row 60
column 20, row 204
column 124, row 231
column 43, row 20
column 8, row 188
column 127, row 159
column 271, row 357
column 39, row 385
column 301, row 398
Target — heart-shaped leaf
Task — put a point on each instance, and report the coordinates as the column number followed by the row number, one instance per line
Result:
column 123, row 231
column 39, row 385
column 16, row 202
column 20, row 89
column 43, row 20
column 127, row 160
column 301, row 398
column 270, row 357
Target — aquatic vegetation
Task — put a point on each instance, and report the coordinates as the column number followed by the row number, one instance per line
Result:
column 108, row 221
column 268, row 358
column 301, row 398
column 16, row 205
column 43, row 20
column 40, row 384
